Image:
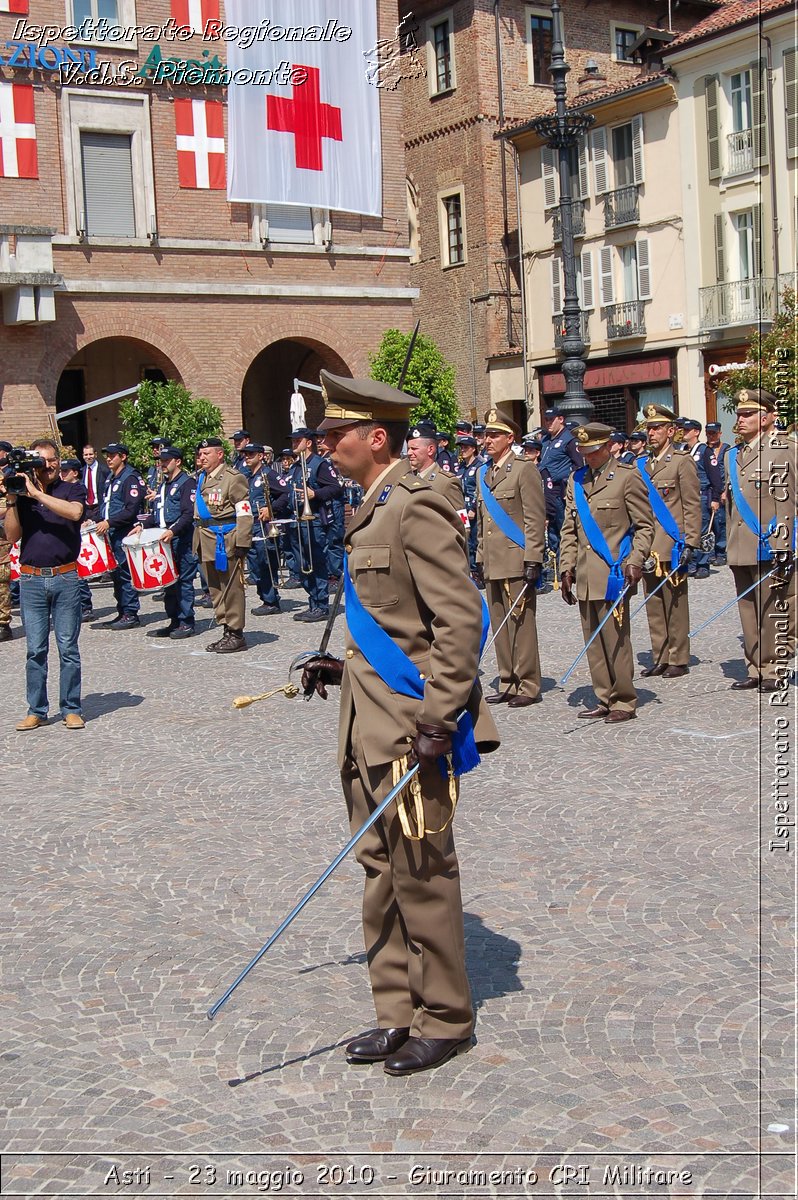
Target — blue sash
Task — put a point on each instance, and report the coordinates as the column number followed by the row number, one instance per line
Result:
column 220, row 558
column 401, row 674
column 764, row 552
column 502, row 518
column 598, row 542
column 663, row 515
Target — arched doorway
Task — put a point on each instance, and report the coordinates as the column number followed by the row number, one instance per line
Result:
column 269, row 382
column 102, row 368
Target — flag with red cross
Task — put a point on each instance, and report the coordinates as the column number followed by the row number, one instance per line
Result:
column 303, row 116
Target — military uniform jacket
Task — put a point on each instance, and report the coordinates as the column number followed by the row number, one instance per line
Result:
column 445, row 485
column 766, row 471
column 519, row 490
column 227, row 495
column 406, row 554
column 618, row 499
column 676, row 480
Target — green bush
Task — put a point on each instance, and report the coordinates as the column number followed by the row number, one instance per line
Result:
column 167, row 410
column 772, row 361
column 429, row 376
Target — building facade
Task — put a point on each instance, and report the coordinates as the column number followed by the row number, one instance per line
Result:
column 473, row 68
column 121, row 258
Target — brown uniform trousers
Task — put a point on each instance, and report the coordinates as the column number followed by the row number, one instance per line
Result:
column 518, row 488
column 676, row 479
column 618, row 500
column 767, row 477
column 405, row 548
column 222, row 491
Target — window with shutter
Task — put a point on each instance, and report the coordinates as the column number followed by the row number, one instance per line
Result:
column 607, row 282
column 550, row 189
column 756, row 224
column 713, row 126
column 586, row 263
column 643, row 269
column 555, row 267
column 599, row 144
column 289, row 223
column 637, row 149
column 791, row 100
column 584, row 175
column 720, row 247
column 107, row 170
column 759, row 76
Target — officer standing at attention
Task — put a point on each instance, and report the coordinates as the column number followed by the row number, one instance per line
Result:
column 120, row 511
column 606, row 538
column 672, row 483
column 222, row 537
column 174, row 514
column 409, row 693
column 760, row 508
column 559, row 457
column 710, row 481
column 510, row 548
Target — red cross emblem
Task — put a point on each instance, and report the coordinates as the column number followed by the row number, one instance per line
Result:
column 307, row 118
column 244, row 507
column 88, row 554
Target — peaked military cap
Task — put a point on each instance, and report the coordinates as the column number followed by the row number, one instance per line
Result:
column 496, row 422
column 658, row 414
column 423, row 429
column 755, row 399
column 209, row 442
column 593, row 435
column 350, row 401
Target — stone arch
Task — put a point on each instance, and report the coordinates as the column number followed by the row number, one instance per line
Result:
column 268, row 383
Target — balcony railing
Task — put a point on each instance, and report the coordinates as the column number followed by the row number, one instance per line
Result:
column 739, row 152
column 787, row 279
column 577, row 221
column 743, row 302
column 559, row 330
column 622, row 207
column 626, row 320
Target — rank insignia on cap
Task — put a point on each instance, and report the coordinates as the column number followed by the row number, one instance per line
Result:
column 743, row 395
column 385, row 493
column 651, row 411
column 582, row 436
column 491, row 417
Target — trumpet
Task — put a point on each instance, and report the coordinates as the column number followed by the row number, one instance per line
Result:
column 304, row 545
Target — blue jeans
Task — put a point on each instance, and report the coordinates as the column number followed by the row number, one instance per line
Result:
column 41, row 599
column 126, row 596
column 178, row 598
column 264, row 566
column 701, row 559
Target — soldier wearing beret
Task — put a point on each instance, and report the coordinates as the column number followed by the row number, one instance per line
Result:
column 606, row 538
column 422, row 455
column 760, row 510
column 510, row 549
column 222, row 538
column 407, row 591
column 672, row 482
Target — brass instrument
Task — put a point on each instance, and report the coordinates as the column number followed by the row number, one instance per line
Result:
column 305, row 545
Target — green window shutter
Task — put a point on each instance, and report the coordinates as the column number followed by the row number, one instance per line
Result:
column 720, row 248
column 713, row 126
column 759, row 116
column 791, row 100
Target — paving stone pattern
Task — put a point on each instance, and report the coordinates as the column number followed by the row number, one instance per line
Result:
column 617, row 889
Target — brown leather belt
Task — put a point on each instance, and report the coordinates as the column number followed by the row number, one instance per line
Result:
column 47, row 572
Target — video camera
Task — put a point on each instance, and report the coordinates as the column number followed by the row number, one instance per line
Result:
column 20, row 462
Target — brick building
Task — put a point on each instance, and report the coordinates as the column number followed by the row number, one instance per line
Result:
column 485, row 68
column 121, row 258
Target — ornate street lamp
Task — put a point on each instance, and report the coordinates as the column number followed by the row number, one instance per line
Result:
column 562, row 132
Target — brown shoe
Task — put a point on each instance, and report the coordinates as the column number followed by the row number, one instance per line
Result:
column 523, row 701
column 744, row 685
column 212, row 647
column 616, row 715
column 675, row 672
column 74, row 721
column 499, row 698
column 234, row 640
column 593, row 714
column 422, row 1054
column 657, row 669
column 376, row 1045
column 30, row 722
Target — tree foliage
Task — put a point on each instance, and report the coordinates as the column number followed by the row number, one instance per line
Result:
column 429, row 376
column 167, row 410
column 772, row 361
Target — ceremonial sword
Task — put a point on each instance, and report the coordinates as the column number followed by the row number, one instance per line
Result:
column 694, row 632
column 588, row 644
column 341, row 855
column 651, row 595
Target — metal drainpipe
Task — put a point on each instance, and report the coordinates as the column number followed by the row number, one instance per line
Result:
column 500, row 97
column 522, row 280
column 774, row 202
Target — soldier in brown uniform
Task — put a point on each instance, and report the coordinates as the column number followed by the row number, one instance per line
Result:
column 617, row 500
column 422, row 449
column 408, row 582
column 674, row 480
column 222, row 537
column 760, row 506
column 511, row 559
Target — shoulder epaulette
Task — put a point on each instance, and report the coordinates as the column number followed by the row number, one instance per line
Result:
column 413, row 483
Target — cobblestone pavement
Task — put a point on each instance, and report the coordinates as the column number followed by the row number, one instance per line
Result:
column 629, row 934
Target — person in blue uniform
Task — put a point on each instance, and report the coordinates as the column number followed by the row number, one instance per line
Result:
column 269, row 500
column 154, row 479
column 70, row 470
column 322, row 485
column 285, row 544
column 717, row 454
column 240, row 439
column 444, row 458
column 710, row 480
column 559, row 458
column 467, row 469
column 333, row 521
column 120, row 510
column 173, row 513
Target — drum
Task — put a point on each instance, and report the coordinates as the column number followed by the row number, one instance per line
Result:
column 151, row 562
column 96, row 556
column 13, row 561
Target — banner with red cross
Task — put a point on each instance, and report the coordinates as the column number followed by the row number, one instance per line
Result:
column 309, row 136
column 199, row 136
column 193, row 14
column 18, row 158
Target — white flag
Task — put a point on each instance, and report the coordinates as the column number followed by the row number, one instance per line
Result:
column 314, row 143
